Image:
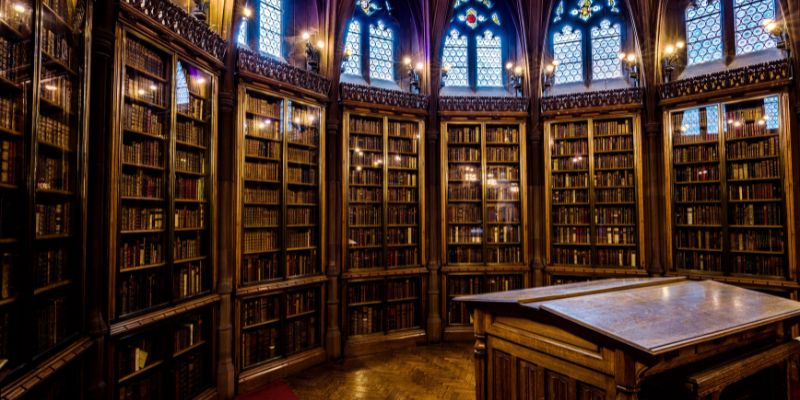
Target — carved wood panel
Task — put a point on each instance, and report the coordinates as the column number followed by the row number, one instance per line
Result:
column 588, row 392
column 501, row 375
column 559, row 387
column 530, row 381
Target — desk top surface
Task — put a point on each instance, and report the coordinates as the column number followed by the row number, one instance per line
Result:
column 653, row 315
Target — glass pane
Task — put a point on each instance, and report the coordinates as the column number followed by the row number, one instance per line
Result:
column 270, row 27
column 455, row 55
column 353, row 42
column 606, row 40
column 704, row 31
column 567, row 50
column 490, row 60
column 750, row 34
column 241, row 37
column 381, row 52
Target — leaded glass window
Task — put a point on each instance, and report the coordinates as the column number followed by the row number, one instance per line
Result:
column 455, row 55
column 712, row 120
column 241, row 37
column 568, row 51
column 606, row 43
column 270, row 30
column 704, row 31
column 381, row 52
column 353, row 42
column 750, row 33
column 771, row 112
column 181, row 86
column 490, row 60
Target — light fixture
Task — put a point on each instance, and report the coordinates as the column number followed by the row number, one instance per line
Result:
column 19, row 8
column 514, row 77
column 413, row 75
column 445, row 72
column 153, row 88
column 200, row 80
column 313, row 50
column 348, row 52
column 50, row 87
column 549, row 75
column 247, row 12
column 778, row 33
column 669, row 61
column 632, row 64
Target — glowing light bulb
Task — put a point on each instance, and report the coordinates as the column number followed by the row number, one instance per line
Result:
column 680, row 44
column 398, row 158
column 518, row 70
column 407, row 60
column 153, row 88
column 621, row 56
column 555, row 63
column 550, row 68
column 247, row 12
column 200, row 80
column 631, row 58
column 419, row 66
column 669, row 49
column 320, row 44
column 306, row 35
column 141, row 92
column 446, row 68
column 51, row 88
column 509, row 65
column 20, row 8
column 358, row 168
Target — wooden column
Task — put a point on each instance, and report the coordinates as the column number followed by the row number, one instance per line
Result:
column 100, row 123
column 333, row 159
column 481, row 369
column 227, row 184
column 432, row 200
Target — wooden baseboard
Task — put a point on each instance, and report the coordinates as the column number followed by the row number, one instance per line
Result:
column 458, row 334
column 255, row 378
column 371, row 344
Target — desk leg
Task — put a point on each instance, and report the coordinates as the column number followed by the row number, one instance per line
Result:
column 625, row 377
column 481, row 377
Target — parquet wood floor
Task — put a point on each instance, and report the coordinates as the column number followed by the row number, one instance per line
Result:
column 444, row 371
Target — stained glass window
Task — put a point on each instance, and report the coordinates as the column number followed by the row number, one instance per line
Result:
column 691, row 122
column 567, row 49
column 606, row 43
column 270, row 32
column 381, row 52
column 241, row 37
column 490, row 60
column 181, row 86
column 353, row 42
column 704, row 31
column 771, row 112
column 712, row 120
column 750, row 33
column 455, row 55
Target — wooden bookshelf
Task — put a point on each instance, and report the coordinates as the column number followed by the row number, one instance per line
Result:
column 484, row 219
column 42, row 183
column 457, row 318
column 384, row 230
column 279, row 313
column 594, row 197
column 163, row 222
column 730, row 208
column 173, row 358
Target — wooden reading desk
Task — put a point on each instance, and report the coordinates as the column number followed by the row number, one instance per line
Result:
column 649, row 338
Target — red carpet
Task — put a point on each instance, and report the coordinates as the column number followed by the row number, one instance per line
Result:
column 277, row 390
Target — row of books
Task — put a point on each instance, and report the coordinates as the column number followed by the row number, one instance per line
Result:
column 687, row 194
column 141, row 185
column 501, row 173
column 301, row 196
column 301, row 334
column 464, row 214
column 761, row 240
column 51, row 266
column 148, row 90
column 698, row 215
column 57, row 89
column 363, row 292
column 260, row 241
column 190, row 376
column 613, row 161
column 190, row 133
column 505, row 213
column 460, row 234
column 261, row 195
column 302, row 156
column 509, row 135
column 366, row 126
column 562, row 181
column 266, row 107
column 571, row 256
column 403, row 161
column 761, row 214
column 11, row 112
column 189, row 280
column 398, row 236
column 405, row 256
column 402, row 195
column 184, row 248
column 754, row 170
column 259, row 268
column 259, row 345
column 366, row 143
column 359, row 237
column 613, row 143
column 190, row 188
column 300, row 216
column 306, row 136
column 702, row 138
column 142, row 57
column 403, row 129
column 138, row 218
column 401, row 215
column 611, row 196
column 364, row 215
column 503, row 234
column 306, row 176
column 263, row 172
column 144, row 251
column 260, row 310
column 761, row 265
column 570, row 130
column 745, row 149
column 616, row 257
column 700, row 261
column 190, row 161
column 502, row 154
column 401, row 145
column 695, row 154
column 53, row 173
column 755, row 191
column 260, row 217
column 463, row 135
column 699, row 240
column 264, row 129
column 301, row 264
column 140, row 291
column 402, row 178
column 190, row 217
column 578, row 164
column 56, row 45
column 571, row 148
column 301, row 239
column 52, row 219
column 504, row 255
column 462, row 154
column 608, row 128
column 194, row 108
column 365, row 258
column 188, row 334
column 147, row 152
column 142, row 119
column 54, row 131
column 615, row 179
column 615, row 235
column 696, row 174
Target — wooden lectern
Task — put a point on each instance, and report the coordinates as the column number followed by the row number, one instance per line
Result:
column 652, row 338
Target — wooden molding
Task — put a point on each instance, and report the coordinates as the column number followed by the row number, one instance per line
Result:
column 280, row 285
column 370, row 97
column 160, row 315
column 185, row 28
column 254, row 378
column 469, row 105
column 45, row 370
column 280, row 74
column 746, row 79
column 607, row 100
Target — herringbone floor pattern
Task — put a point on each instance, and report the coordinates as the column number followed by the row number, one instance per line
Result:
column 443, row 371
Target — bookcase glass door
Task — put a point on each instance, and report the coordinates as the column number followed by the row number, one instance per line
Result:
column 365, row 194
column 729, row 189
column 403, row 214
column 382, row 305
column 262, row 209
column 503, row 209
column 464, row 213
column 42, row 144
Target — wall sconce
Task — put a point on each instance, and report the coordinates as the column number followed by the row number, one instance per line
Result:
column 633, row 67
column 348, row 52
column 445, row 71
column 549, row 75
column 778, row 33
column 413, row 75
column 313, row 52
column 514, row 78
column 670, row 60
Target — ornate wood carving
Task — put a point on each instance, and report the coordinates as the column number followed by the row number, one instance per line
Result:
column 483, row 104
column 182, row 24
column 372, row 95
column 777, row 72
column 619, row 98
column 249, row 61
